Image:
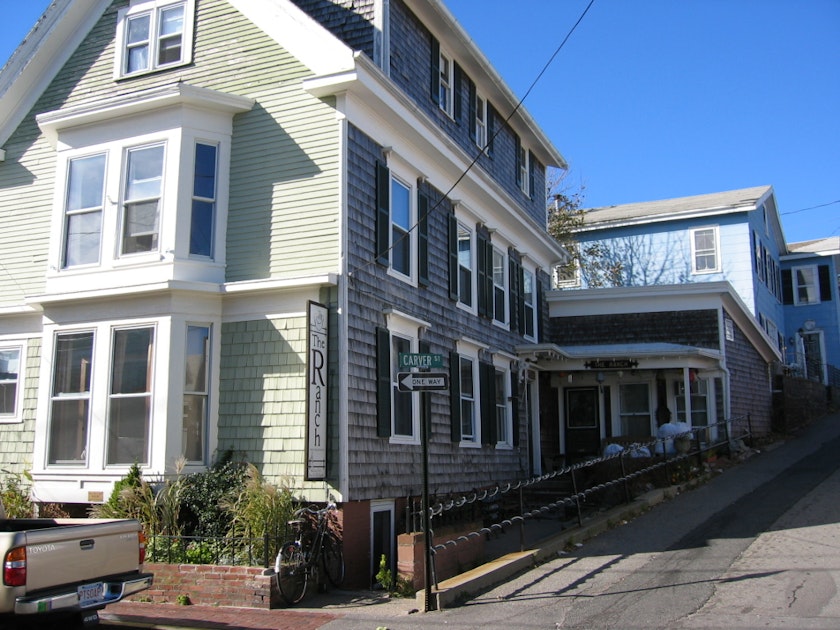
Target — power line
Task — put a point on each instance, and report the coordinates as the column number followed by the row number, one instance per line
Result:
column 489, row 142
column 822, row 205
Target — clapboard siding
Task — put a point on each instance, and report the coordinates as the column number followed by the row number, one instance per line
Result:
column 284, row 153
column 379, row 467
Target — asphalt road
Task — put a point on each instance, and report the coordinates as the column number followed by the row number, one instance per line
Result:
column 756, row 547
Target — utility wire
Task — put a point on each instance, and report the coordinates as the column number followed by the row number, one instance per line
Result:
column 822, row 205
column 493, row 137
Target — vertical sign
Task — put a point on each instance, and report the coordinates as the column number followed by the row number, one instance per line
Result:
column 316, row 394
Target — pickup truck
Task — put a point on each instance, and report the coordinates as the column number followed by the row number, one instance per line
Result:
column 67, row 569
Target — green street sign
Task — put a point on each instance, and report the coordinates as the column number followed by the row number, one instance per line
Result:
column 420, row 360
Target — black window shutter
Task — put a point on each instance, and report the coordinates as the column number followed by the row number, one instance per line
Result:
column 487, row 382
column 455, row 396
column 434, row 86
column 515, row 297
column 383, row 382
column 383, row 212
column 825, row 283
column 423, row 239
column 787, row 286
column 485, row 273
column 425, row 397
column 538, row 307
column 514, row 407
column 453, row 257
column 471, row 108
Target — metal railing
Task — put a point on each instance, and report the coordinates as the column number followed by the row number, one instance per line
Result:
column 587, row 484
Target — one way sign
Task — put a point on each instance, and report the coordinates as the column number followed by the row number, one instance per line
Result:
column 422, row 381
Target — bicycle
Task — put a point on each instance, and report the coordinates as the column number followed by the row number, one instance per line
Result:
column 300, row 559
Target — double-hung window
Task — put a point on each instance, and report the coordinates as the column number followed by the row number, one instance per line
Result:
column 83, row 210
column 196, row 393
column 465, row 266
column 398, row 412
column 501, row 393
column 202, row 219
column 704, row 250
column 529, row 297
column 9, row 382
column 130, row 398
column 480, row 122
column 467, row 380
column 806, row 285
column 70, row 398
column 523, row 168
column 446, row 83
column 154, row 35
column 401, row 215
column 142, row 199
column 500, row 293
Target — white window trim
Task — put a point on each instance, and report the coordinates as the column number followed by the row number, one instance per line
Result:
column 401, row 177
column 468, row 349
column 534, row 305
column 816, row 285
column 525, row 169
column 20, row 346
column 447, row 104
column 481, row 130
column 409, row 328
column 505, row 321
column 502, row 363
column 472, row 307
column 208, row 389
column 692, row 239
column 154, row 6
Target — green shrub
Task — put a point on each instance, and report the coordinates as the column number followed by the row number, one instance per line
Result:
column 15, row 495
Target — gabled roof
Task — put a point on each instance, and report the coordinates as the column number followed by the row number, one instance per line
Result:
column 65, row 23
column 741, row 200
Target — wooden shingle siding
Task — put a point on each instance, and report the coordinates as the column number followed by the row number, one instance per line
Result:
column 411, row 66
column 349, row 20
column 691, row 328
column 17, row 439
column 378, row 467
column 262, row 395
column 749, row 385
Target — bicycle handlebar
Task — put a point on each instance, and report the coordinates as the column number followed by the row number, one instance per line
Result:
column 314, row 510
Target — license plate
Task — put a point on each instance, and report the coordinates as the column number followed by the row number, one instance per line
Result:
column 91, row 594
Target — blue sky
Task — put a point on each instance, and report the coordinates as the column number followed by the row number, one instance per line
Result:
column 653, row 99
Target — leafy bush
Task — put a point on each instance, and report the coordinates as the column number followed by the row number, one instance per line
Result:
column 203, row 495
column 15, row 495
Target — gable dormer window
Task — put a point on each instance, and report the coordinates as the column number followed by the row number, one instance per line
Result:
column 154, row 35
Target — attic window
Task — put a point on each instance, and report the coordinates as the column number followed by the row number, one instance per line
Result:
column 154, row 35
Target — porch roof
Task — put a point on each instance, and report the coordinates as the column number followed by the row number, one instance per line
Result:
column 635, row 356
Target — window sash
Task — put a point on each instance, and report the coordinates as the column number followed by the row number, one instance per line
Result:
column 141, row 207
column 401, row 245
column 529, row 299
column 403, row 402
column 524, row 170
column 500, row 299
column 70, row 401
column 480, row 122
column 705, row 257
column 154, row 39
column 203, row 214
column 130, row 398
column 83, row 210
column 806, row 287
column 465, row 266
column 9, row 380
column 502, row 406
column 196, row 393
column 445, row 84
column 634, row 409
column 467, row 391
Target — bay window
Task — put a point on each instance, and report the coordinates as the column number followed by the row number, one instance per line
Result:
column 83, row 210
column 196, row 391
column 70, row 400
column 141, row 209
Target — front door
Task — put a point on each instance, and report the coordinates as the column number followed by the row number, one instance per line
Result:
column 583, row 423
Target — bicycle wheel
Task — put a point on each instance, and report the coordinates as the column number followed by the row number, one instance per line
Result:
column 290, row 572
column 333, row 559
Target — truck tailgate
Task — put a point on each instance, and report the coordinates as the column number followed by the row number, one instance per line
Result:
column 80, row 552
